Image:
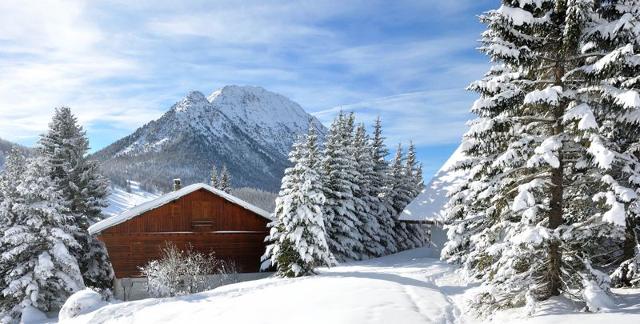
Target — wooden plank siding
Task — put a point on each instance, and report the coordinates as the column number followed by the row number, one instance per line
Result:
column 201, row 219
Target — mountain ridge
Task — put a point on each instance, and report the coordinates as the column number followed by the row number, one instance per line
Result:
column 249, row 129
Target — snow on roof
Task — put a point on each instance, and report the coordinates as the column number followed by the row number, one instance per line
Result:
column 429, row 204
column 167, row 198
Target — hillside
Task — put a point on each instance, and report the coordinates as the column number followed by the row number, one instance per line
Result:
column 248, row 129
column 408, row 287
column 5, row 148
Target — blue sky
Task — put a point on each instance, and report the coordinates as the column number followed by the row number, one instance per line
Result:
column 119, row 64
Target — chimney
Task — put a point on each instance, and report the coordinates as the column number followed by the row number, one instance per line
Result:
column 177, row 184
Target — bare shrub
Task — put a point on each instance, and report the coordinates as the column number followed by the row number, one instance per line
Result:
column 179, row 272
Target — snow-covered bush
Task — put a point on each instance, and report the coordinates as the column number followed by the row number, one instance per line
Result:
column 181, row 272
column 82, row 302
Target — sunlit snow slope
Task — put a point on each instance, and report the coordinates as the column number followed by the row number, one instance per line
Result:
column 430, row 202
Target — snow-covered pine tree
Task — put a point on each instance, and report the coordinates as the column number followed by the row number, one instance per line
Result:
column 14, row 167
column 338, row 166
column 367, row 206
column 378, row 188
column 298, row 238
column 214, row 181
column 401, row 185
column 413, row 171
column 416, row 233
column 36, row 246
column 65, row 146
column 401, row 188
column 546, row 184
column 612, row 39
column 225, row 180
column 10, row 176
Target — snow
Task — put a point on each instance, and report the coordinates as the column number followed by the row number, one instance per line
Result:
column 428, row 205
column 82, row 302
column 610, row 58
column 120, row 200
column 534, row 235
column 595, row 297
column 517, row 16
column 602, row 156
column 616, row 214
column 583, row 113
column 32, row 315
column 629, row 99
column 408, row 287
column 546, row 152
column 167, row 198
column 549, row 95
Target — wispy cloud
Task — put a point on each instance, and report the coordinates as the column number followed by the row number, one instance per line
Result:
column 425, row 117
column 119, row 63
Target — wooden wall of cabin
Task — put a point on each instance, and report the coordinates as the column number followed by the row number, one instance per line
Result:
column 201, row 219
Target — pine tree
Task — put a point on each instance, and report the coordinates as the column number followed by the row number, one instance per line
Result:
column 10, row 176
column 85, row 190
column 550, row 172
column 338, row 167
column 413, row 171
column 37, row 245
column 14, row 167
column 615, row 88
column 378, row 188
column 415, row 233
column 298, row 237
column 225, row 180
column 401, row 188
column 214, row 177
column 366, row 208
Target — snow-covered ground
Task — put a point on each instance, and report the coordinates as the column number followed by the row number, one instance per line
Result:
column 409, row 287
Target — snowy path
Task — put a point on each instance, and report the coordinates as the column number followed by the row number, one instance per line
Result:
column 409, row 287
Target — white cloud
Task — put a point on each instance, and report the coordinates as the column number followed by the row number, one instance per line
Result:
column 426, row 117
column 53, row 55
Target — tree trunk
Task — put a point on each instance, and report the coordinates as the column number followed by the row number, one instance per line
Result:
column 555, row 220
column 556, row 201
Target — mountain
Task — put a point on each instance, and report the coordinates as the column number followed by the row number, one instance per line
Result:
column 430, row 202
column 248, row 129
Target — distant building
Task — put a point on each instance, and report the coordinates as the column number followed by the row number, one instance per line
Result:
column 199, row 216
column 428, row 207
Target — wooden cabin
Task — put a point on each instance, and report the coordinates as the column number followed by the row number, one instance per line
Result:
column 198, row 215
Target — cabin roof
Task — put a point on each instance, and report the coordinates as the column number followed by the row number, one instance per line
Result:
column 167, row 198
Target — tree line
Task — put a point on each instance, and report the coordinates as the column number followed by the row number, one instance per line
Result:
column 340, row 201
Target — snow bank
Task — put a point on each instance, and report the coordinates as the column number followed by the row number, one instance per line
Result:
column 82, row 302
column 31, row 315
